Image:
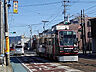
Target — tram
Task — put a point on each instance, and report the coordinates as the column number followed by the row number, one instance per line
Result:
column 58, row 43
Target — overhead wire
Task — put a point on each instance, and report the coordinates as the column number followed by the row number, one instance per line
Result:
column 90, row 7
column 52, row 3
column 54, row 18
column 54, row 14
column 26, row 25
column 58, row 3
column 83, row 1
column 40, row 4
column 91, row 12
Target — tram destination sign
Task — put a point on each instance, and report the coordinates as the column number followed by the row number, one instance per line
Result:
column 62, row 27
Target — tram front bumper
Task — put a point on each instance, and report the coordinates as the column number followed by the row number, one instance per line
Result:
column 68, row 58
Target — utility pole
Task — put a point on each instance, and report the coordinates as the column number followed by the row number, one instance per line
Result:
column 65, row 5
column 6, row 33
column 30, row 27
column 1, row 32
column 44, row 24
column 84, row 33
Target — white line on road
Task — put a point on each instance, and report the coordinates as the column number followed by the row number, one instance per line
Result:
column 24, row 65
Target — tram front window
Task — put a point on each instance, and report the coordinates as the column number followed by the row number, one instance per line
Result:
column 67, row 38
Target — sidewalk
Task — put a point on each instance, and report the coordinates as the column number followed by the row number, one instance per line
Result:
column 6, row 68
column 88, row 55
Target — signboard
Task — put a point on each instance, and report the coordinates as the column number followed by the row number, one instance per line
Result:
column 61, row 27
column 15, row 7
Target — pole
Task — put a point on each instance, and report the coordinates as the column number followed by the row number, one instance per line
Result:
column 44, row 24
column 84, row 32
column 1, row 29
column 6, row 33
column 1, row 33
column 65, row 10
column 30, row 26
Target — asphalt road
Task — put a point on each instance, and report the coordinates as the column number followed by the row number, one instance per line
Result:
column 29, row 62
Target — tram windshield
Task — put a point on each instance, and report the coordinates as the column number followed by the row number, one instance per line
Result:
column 67, row 38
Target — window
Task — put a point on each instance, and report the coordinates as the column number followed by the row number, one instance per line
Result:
column 89, row 34
column 18, row 46
column 88, row 24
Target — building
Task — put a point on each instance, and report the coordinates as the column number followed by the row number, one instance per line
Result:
column 75, row 25
column 92, row 24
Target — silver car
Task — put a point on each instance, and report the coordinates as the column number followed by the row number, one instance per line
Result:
column 19, row 49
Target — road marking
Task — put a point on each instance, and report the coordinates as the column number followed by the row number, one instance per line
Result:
column 52, row 66
column 24, row 65
column 46, row 66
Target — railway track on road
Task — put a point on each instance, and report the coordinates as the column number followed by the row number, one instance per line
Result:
column 86, row 65
column 38, row 64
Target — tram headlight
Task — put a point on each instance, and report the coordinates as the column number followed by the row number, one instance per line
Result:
column 76, row 49
column 75, row 44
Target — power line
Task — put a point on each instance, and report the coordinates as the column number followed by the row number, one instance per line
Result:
column 83, row 1
column 41, row 4
column 54, row 18
column 75, row 2
column 26, row 25
column 52, row 3
column 91, row 12
column 54, row 14
column 90, row 7
column 86, row 10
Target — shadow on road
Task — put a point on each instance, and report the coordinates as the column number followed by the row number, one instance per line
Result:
column 87, row 56
column 31, row 59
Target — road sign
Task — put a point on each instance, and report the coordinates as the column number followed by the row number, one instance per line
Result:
column 15, row 7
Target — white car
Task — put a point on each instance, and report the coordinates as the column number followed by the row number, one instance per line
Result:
column 19, row 49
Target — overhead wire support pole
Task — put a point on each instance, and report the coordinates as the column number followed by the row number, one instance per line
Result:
column 30, row 26
column 84, row 33
column 65, row 5
column 44, row 24
column 6, row 33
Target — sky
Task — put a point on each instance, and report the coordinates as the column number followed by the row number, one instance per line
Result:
column 33, row 12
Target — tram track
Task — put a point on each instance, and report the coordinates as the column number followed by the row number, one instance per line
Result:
column 38, row 64
column 85, row 65
column 34, row 63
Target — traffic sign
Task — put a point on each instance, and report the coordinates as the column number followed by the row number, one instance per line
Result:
column 15, row 7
